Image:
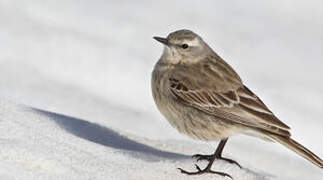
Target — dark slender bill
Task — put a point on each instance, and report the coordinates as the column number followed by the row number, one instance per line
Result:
column 161, row 40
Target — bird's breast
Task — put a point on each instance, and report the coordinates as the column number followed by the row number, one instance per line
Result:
column 185, row 118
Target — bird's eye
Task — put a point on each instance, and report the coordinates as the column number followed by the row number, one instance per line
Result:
column 184, row 46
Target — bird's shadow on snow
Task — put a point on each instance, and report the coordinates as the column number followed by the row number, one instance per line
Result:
column 107, row 137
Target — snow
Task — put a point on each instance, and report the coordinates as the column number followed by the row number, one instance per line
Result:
column 75, row 100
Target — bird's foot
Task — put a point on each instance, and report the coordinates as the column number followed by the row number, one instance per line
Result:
column 230, row 161
column 201, row 157
column 203, row 171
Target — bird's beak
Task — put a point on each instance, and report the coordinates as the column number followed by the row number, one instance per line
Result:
column 161, row 40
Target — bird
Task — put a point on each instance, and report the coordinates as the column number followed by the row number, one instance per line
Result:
column 203, row 97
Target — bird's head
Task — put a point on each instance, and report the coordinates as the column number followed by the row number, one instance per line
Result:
column 183, row 46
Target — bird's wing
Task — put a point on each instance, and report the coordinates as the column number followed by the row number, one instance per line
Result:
column 216, row 89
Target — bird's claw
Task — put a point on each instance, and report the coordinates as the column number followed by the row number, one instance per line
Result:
column 206, row 170
column 230, row 161
column 202, row 157
column 198, row 167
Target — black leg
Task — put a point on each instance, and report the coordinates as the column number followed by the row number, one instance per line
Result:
column 217, row 154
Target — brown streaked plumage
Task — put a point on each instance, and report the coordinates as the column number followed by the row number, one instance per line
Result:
column 203, row 97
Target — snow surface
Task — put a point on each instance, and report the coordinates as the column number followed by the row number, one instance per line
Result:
column 75, row 100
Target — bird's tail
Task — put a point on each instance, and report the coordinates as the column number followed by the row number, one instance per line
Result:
column 298, row 148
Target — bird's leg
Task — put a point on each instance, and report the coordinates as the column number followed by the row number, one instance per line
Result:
column 217, row 154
